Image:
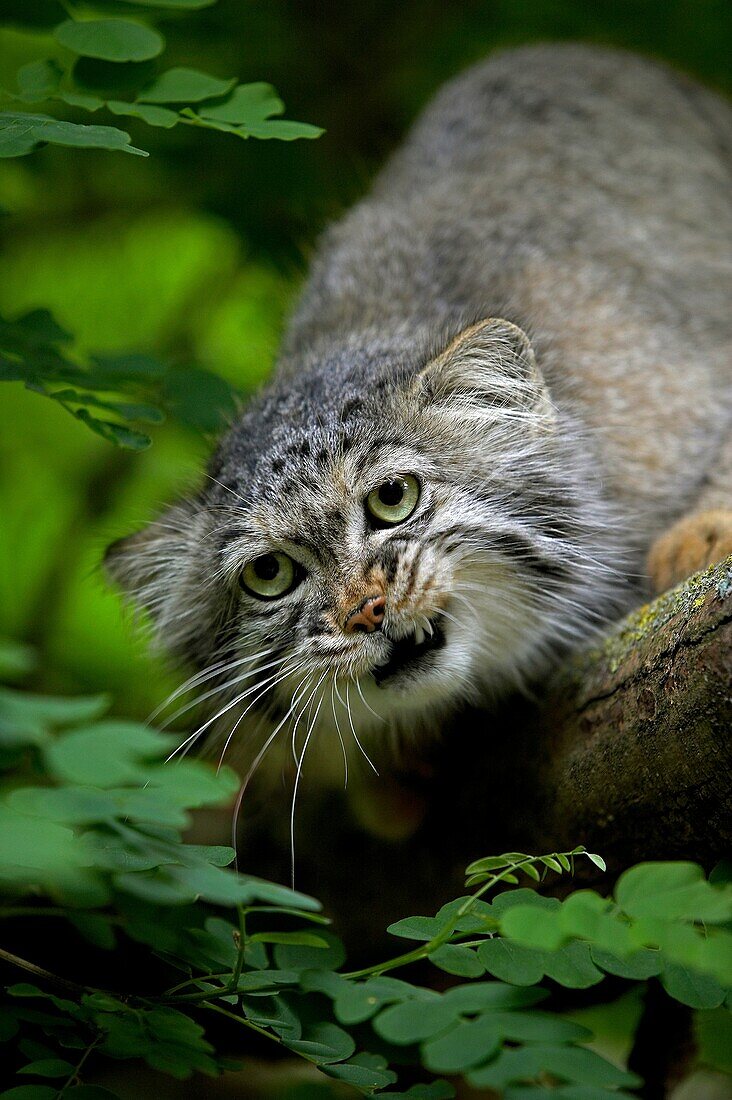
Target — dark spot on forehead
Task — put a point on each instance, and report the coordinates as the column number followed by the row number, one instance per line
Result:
column 355, row 404
column 323, row 454
column 278, row 465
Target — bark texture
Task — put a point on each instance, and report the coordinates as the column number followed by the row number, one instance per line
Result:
column 640, row 729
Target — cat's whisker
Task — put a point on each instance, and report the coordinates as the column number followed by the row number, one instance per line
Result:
column 217, row 690
column 201, row 677
column 363, row 700
column 234, row 702
column 447, row 615
column 455, row 595
column 302, row 712
column 340, row 735
column 293, row 670
column 296, row 696
column 296, row 785
column 355, row 735
column 228, row 490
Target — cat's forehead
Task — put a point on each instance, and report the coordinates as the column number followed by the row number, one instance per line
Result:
column 308, row 482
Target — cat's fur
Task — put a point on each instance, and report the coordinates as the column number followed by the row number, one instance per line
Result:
column 579, row 196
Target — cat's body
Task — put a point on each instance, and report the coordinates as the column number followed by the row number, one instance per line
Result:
column 585, row 195
column 581, row 197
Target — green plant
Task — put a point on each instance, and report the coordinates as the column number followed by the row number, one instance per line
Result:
column 111, row 64
column 90, row 826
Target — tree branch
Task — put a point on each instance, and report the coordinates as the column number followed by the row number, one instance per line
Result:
column 639, row 729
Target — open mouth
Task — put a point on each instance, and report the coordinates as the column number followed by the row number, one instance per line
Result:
column 407, row 653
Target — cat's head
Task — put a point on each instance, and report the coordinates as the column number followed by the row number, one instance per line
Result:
column 390, row 535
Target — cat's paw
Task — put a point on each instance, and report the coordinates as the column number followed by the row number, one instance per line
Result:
column 693, row 543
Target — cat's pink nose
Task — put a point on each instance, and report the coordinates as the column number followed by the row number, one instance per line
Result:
column 366, row 616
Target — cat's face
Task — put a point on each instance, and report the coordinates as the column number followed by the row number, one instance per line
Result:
column 375, row 558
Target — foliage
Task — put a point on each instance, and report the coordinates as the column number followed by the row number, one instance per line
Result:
column 91, row 826
column 111, row 63
column 109, row 53
column 133, row 388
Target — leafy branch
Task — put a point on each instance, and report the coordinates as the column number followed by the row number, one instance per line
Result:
column 103, row 61
column 112, row 394
column 92, row 822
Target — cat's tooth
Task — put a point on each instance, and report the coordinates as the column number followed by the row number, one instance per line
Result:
column 418, row 635
column 428, row 626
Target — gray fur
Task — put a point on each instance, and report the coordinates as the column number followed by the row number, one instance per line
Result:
column 582, row 195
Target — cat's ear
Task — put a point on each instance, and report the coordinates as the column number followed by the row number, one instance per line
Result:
column 491, row 366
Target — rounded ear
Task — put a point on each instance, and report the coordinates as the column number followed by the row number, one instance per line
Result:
column 491, row 366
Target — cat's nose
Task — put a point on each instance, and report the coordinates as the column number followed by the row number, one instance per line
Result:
column 366, row 616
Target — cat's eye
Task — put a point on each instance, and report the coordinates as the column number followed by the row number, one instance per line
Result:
column 270, row 576
column 394, row 500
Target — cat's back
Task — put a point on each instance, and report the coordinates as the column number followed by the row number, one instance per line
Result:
column 539, row 154
column 568, row 115
column 584, row 193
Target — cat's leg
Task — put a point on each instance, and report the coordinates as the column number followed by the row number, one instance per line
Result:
column 701, row 537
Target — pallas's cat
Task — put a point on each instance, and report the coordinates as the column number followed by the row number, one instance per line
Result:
column 508, row 381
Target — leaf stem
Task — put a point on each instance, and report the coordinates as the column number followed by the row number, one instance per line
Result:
column 74, row 1075
column 448, row 932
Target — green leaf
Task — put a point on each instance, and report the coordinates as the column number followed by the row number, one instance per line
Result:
column 153, row 116
column 413, row 1021
column 454, row 959
column 639, row 966
column 539, row 1027
column 38, row 80
column 416, row 928
column 354, row 1001
column 21, row 133
column 181, row 85
column 294, row 957
column 485, row 996
column 511, row 962
column 597, row 860
column 107, row 754
column 249, row 109
column 437, row 1090
column 110, row 39
column 573, row 967
column 114, row 433
column 673, row 891
column 80, row 99
column 467, row 1044
column 572, row 1064
column 532, row 928
column 365, row 1071
column 48, row 1067
column 302, row 939
column 30, row 1092
column 690, row 988
column 198, row 398
column 324, row 1043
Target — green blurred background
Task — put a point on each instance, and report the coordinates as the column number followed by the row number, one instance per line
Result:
column 198, row 251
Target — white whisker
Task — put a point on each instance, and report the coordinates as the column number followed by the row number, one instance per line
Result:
column 355, row 735
column 340, row 735
column 296, row 785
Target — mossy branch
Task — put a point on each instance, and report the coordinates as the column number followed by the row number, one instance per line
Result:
column 639, row 729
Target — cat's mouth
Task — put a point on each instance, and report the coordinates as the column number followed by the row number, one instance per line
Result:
column 408, row 653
